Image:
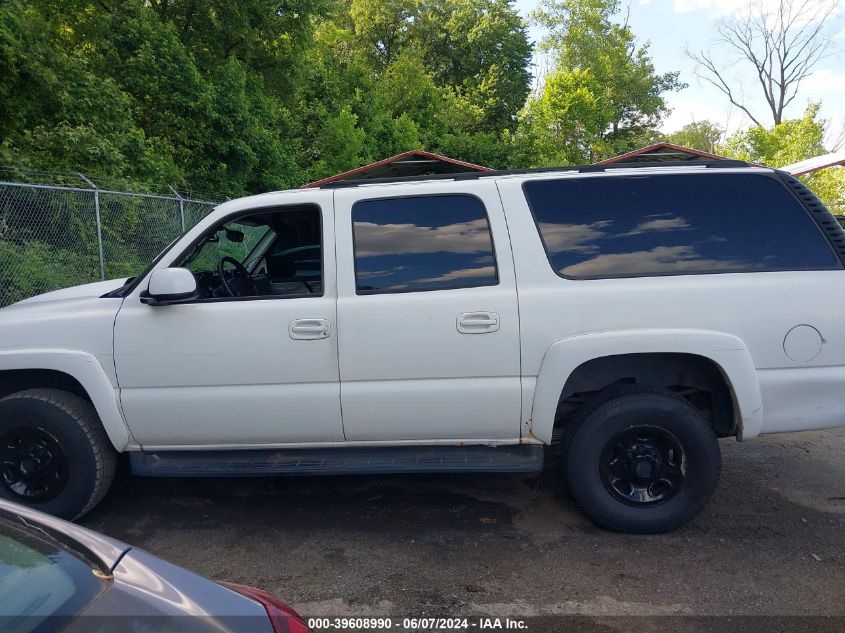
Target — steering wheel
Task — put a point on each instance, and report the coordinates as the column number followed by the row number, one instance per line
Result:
column 240, row 272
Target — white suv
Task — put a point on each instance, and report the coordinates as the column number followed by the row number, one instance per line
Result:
column 625, row 317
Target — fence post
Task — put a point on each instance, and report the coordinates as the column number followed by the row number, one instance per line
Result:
column 99, row 225
column 181, row 206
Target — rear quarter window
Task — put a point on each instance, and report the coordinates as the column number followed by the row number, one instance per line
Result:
column 674, row 224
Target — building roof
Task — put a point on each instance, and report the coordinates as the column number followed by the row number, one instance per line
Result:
column 418, row 163
column 817, row 163
column 662, row 152
column 412, row 163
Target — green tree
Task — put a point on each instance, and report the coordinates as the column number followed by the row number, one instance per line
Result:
column 788, row 142
column 340, row 146
column 566, row 122
column 782, row 144
column 50, row 122
column 480, row 50
column 448, row 76
column 384, row 25
column 614, row 77
column 704, row 135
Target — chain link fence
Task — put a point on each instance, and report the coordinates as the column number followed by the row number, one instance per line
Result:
column 58, row 235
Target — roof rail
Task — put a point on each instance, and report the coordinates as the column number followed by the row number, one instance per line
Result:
column 583, row 169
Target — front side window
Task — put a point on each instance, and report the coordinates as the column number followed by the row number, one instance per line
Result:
column 422, row 243
column 674, row 224
column 275, row 253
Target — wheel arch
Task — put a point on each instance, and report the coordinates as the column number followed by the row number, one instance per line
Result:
column 70, row 370
column 591, row 362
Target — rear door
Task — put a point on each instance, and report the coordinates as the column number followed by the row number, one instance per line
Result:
column 428, row 328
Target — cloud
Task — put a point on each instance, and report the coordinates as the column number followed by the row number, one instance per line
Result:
column 659, row 222
column 813, row 9
column 572, row 237
column 824, row 80
column 720, row 7
column 404, row 239
column 464, row 273
column 582, row 238
column 677, row 259
column 380, row 273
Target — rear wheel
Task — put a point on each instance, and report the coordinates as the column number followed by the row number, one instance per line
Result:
column 54, row 454
column 641, row 462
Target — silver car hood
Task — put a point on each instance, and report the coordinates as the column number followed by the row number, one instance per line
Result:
column 105, row 549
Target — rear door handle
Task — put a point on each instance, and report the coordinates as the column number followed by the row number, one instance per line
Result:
column 478, row 322
column 309, row 329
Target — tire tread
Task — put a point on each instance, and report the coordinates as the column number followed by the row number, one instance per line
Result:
column 619, row 395
column 85, row 416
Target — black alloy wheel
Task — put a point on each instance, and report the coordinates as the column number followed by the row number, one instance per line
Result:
column 643, row 466
column 33, row 466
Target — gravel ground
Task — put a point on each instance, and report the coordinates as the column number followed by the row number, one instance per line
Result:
column 769, row 543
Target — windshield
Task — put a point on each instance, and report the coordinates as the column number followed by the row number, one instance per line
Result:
column 40, row 582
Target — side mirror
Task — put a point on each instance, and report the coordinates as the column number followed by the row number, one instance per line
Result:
column 170, row 285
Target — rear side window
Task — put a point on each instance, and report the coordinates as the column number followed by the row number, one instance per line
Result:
column 422, row 243
column 674, row 224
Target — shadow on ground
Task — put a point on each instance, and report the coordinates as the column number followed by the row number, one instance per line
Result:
column 770, row 542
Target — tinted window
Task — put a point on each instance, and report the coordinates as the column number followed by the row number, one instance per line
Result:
column 422, row 243
column 674, row 224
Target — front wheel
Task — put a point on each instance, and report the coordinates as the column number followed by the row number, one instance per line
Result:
column 54, row 454
column 642, row 462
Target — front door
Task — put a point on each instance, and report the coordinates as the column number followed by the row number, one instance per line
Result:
column 255, row 369
column 427, row 314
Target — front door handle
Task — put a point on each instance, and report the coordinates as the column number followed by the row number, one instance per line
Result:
column 478, row 322
column 309, row 329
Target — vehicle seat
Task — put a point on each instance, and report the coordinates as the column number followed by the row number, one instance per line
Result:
column 282, row 270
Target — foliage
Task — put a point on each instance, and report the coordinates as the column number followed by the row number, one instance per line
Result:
column 603, row 95
column 702, row 135
column 45, row 264
column 49, row 122
column 479, row 49
column 232, row 97
column 240, row 96
column 788, row 142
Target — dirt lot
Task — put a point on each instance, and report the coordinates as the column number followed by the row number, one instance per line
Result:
column 770, row 542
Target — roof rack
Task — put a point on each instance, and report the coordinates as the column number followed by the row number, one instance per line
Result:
column 583, row 169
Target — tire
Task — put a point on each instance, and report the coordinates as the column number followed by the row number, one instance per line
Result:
column 641, row 461
column 54, row 453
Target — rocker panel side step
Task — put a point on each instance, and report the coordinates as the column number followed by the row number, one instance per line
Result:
column 339, row 461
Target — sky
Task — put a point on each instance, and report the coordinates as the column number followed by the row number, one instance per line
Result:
column 671, row 26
